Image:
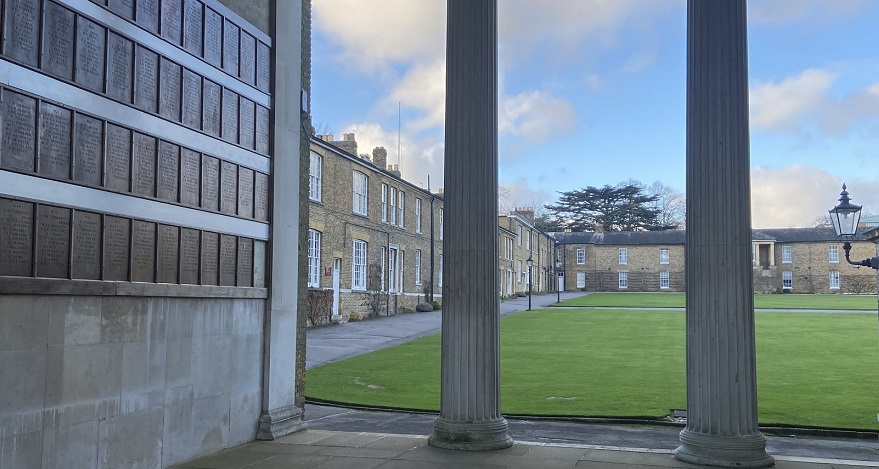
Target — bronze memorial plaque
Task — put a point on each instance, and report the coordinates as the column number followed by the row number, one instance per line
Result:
column 245, row 192
column 230, row 115
column 118, row 158
column 55, row 125
column 259, row 264
column 190, row 174
column 123, row 8
column 86, row 245
column 172, row 16
column 211, row 119
column 58, row 31
column 169, row 248
column 146, row 79
column 228, row 258
column 170, row 88
column 191, row 99
column 263, row 66
column 192, row 33
column 147, row 14
column 213, row 37
column 22, row 28
column 53, row 241
column 246, row 127
column 143, row 165
column 143, row 251
column 230, row 48
column 261, row 197
column 247, row 64
column 262, row 130
column 169, row 171
column 117, row 234
column 245, row 262
column 210, row 183
column 210, row 255
column 90, row 44
column 16, row 237
column 18, row 148
column 228, row 188
column 88, row 150
column 120, row 66
column 189, row 256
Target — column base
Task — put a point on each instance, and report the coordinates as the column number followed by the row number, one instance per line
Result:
column 725, row 451
column 280, row 422
column 470, row 436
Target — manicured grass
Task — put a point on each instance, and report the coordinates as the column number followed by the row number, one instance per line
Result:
column 813, row 369
column 678, row 300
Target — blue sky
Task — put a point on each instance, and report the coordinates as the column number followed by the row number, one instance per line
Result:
column 592, row 92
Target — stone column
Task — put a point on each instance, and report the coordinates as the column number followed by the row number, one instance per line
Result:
column 721, row 371
column 470, row 412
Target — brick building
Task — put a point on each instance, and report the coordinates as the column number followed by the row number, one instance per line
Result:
column 523, row 241
column 798, row 260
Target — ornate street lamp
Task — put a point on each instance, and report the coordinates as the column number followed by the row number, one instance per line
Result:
column 845, row 218
column 529, row 262
column 558, row 286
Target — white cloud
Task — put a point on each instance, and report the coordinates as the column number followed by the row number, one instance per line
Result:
column 536, row 115
column 639, row 62
column 519, row 193
column 782, row 106
column 791, row 196
column 421, row 157
column 422, row 88
column 786, row 11
column 594, row 82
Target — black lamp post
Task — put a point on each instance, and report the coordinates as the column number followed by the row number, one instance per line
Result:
column 558, row 287
column 529, row 262
column 845, row 218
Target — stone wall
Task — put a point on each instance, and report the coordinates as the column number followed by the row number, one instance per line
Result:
column 602, row 267
column 810, row 267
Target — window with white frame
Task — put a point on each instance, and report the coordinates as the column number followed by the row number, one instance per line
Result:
column 624, row 280
column 518, row 235
column 753, row 253
column 440, row 282
column 384, row 203
column 624, row 256
column 441, row 224
column 787, row 254
column 418, row 267
column 663, row 256
column 358, row 265
column 663, row 280
column 314, row 176
column 787, row 280
column 519, row 272
column 418, row 215
column 834, row 280
column 508, row 247
column 528, row 241
column 360, row 193
column 833, row 253
column 400, row 206
column 383, row 259
column 581, row 279
column 393, row 268
column 581, row 256
column 402, row 274
column 393, row 207
column 313, row 258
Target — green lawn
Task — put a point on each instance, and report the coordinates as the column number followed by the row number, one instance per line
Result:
column 813, row 369
column 678, row 300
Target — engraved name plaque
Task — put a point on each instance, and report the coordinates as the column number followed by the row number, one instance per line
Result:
column 213, row 37
column 210, row 255
column 229, row 188
column 192, row 29
column 169, row 171
column 245, row 192
column 170, row 89
column 88, row 150
column 117, row 234
column 247, row 125
column 262, row 130
column 211, row 119
column 16, row 237
column 58, row 32
column 53, row 241
column 230, row 116
column 147, row 14
column 259, row 264
column 228, row 256
column 90, row 43
column 210, row 183
column 143, row 251
column 124, row 8
column 169, row 241
column 118, row 158
column 191, row 99
column 261, row 197
column 245, row 262
column 248, row 59
column 120, row 64
column 172, row 17
column 230, row 48
column 263, row 66
column 22, row 38
column 146, row 79
column 143, row 166
column 19, row 132
column 190, row 174
column 54, row 141
column 86, row 245
column 189, row 256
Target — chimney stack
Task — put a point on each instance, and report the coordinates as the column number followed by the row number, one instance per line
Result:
column 394, row 169
column 525, row 212
column 439, row 191
column 348, row 143
column 380, row 157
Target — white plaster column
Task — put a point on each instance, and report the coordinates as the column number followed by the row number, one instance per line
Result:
column 280, row 416
column 721, row 369
column 470, row 412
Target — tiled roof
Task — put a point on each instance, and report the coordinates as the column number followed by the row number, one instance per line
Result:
column 631, row 238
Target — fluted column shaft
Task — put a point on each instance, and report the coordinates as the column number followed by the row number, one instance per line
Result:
column 470, row 415
column 721, row 367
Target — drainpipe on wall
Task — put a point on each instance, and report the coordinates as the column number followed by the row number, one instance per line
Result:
column 430, row 289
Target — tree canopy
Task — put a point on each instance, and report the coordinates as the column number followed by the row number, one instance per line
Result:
column 625, row 207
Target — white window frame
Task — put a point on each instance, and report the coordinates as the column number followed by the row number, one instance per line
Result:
column 623, row 279
column 358, row 264
column 441, row 224
column 519, row 235
column 833, row 254
column 581, row 256
column 581, row 279
column 315, row 168
column 528, row 241
column 393, row 207
column 624, row 256
column 787, row 280
column 663, row 280
column 314, row 258
column 663, row 256
column 440, row 281
column 835, row 281
column 418, row 267
column 787, row 254
column 418, row 215
column 393, row 268
column 519, row 272
column 384, row 203
column 401, row 219
column 384, row 257
column 360, row 191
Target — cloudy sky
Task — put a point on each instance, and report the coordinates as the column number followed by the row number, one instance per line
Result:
column 592, row 92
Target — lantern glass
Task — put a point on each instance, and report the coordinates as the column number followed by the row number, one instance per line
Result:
column 529, row 262
column 845, row 216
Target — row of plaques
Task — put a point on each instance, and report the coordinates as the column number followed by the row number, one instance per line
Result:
column 47, row 241
column 76, row 49
column 59, row 143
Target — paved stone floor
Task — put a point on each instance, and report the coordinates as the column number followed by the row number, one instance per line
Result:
column 322, row 449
